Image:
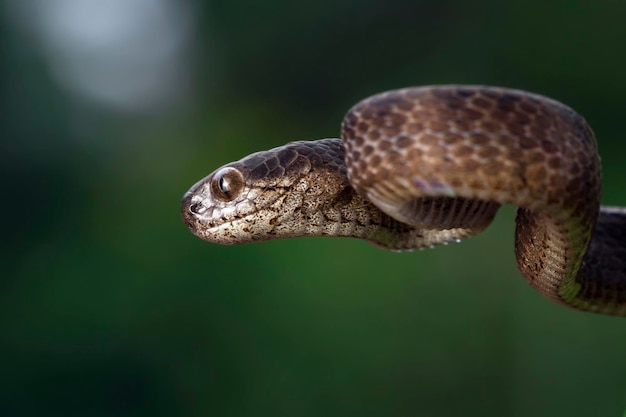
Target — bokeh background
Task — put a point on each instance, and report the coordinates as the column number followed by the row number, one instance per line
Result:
column 112, row 109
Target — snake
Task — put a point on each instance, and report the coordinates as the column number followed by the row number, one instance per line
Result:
column 422, row 166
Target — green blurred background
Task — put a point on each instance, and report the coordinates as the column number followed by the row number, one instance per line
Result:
column 111, row 110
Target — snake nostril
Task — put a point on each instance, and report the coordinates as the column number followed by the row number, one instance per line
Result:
column 197, row 208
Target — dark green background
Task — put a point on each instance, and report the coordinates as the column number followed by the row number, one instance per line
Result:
column 110, row 307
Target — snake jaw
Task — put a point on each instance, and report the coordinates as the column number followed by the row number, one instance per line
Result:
column 260, row 214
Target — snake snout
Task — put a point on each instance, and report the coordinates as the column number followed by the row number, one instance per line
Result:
column 190, row 209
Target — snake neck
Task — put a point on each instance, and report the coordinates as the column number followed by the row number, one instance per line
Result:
column 333, row 208
column 347, row 214
column 322, row 203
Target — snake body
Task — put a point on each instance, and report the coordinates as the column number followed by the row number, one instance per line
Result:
column 418, row 167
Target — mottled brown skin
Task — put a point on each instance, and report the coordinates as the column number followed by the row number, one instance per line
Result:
column 423, row 166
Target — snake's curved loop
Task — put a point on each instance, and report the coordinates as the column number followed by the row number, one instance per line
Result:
column 423, row 166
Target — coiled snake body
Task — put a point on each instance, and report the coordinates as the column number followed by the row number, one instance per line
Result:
column 423, row 166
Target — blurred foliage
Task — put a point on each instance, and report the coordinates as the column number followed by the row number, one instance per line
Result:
column 110, row 307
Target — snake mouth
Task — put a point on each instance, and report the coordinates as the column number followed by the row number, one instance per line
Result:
column 216, row 226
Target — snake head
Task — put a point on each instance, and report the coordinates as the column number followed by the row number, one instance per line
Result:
column 267, row 195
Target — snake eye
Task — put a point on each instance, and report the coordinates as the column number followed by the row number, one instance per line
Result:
column 227, row 183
